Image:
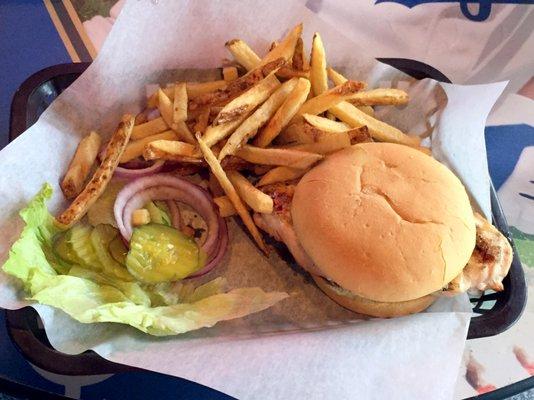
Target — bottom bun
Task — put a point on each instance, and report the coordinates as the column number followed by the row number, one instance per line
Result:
column 365, row 306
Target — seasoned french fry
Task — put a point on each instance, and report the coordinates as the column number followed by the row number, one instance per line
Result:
column 302, row 133
column 169, row 150
column 325, row 124
column 380, row 97
column 339, row 79
column 328, row 143
column 298, row 56
column 80, row 165
column 273, row 45
column 183, row 132
column 359, row 135
column 366, row 109
column 318, row 76
column 179, row 103
column 250, row 126
column 281, row 174
column 379, row 130
column 288, row 73
column 249, row 100
column 216, row 133
column 243, row 54
column 230, row 191
column 226, row 208
column 230, row 74
column 328, row 99
column 149, row 128
column 273, row 156
column 101, row 176
column 135, row 148
column 284, row 114
column 235, row 88
column 286, row 48
column 336, row 78
column 195, row 89
column 253, row 197
column 202, row 121
column 141, row 118
column 165, row 108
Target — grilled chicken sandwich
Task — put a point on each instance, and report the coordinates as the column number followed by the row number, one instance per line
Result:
column 383, row 229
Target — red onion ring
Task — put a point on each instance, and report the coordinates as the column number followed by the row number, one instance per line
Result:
column 166, row 187
column 176, row 216
column 218, row 254
column 127, row 173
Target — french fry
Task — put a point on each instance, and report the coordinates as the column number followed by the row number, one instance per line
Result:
column 273, row 45
column 80, row 165
column 179, row 103
column 339, row 79
column 235, row 88
column 250, row 126
column 379, row 130
column 101, row 177
column 380, row 97
column 230, row 74
column 194, row 89
column 288, row 73
column 336, row 78
column 328, row 143
column 359, row 135
column 157, row 125
column 366, row 109
column 165, row 107
column 249, row 100
column 284, row 114
column 298, row 56
column 253, row 197
column 281, row 174
column 182, row 131
column 318, row 76
column 279, row 157
column 202, row 121
column 141, row 118
column 243, row 54
column 302, row 133
column 135, row 148
column 230, row 191
column 286, row 48
column 325, row 124
column 169, row 150
column 326, row 100
column 216, row 133
column 226, row 208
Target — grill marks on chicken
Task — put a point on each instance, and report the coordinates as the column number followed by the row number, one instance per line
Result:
column 279, row 224
column 489, row 263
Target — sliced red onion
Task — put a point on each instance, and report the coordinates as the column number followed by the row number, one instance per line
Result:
column 135, row 173
column 166, row 187
column 176, row 216
column 219, row 253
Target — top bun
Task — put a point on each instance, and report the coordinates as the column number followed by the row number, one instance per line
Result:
column 384, row 221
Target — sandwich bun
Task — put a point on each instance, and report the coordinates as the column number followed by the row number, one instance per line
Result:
column 386, row 222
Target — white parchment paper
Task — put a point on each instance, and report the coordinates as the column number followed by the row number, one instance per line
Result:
column 306, row 346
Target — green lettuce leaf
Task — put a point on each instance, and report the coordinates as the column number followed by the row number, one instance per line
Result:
column 89, row 296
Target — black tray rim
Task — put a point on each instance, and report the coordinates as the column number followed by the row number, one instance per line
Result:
column 19, row 334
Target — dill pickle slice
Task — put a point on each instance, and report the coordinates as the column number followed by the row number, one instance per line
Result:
column 64, row 251
column 160, row 253
column 118, row 250
column 79, row 239
column 101, row 237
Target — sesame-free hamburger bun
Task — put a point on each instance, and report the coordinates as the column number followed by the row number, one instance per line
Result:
column 383, row 223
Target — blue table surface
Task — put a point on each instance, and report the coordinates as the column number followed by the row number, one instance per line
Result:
column 25, row 50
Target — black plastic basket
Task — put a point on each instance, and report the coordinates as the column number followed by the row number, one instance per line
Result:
column 494, row 312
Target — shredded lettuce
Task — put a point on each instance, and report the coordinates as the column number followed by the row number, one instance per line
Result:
column 88, row 296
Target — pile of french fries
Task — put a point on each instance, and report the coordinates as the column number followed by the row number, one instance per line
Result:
column 274, row 116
